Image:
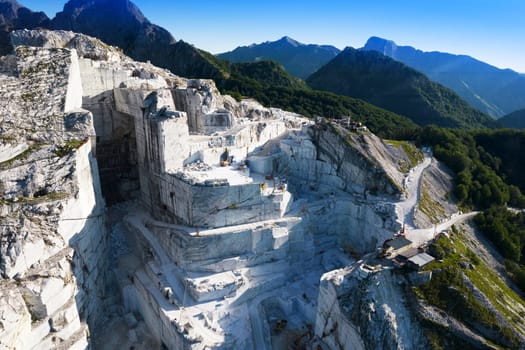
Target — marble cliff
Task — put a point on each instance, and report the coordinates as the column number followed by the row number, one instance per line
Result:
column 203, row 222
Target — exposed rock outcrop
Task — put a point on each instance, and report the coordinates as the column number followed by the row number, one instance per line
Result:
column 53, row 252
column 363, row 161
column 364, row 308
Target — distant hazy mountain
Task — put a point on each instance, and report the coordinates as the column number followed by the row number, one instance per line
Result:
column 491, row 90
column 121, row 23
column 390, row 84
column 515, row 120
column 298, row 59
column 15, row 16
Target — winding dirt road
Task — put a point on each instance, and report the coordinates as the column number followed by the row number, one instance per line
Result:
column 405, row 209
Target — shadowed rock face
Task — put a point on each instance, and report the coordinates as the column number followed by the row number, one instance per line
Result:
column 14, row 16
column 121, row 23
column 117, row 23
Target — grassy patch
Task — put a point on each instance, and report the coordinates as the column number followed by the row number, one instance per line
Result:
column 449, row 292
column 69, row 147
column 403, row 166
column 7, row 139
column 24, row 155
column 54, row 196
column 28, row 97
column 495, row 289
column 440, row 339
column 431, row 208
column 413, row 153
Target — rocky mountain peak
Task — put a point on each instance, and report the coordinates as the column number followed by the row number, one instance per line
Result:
column 286, row 40
column 387, row 47
column 119, row 23
column 380, row 80
column 489, row 89
column 14, row 15
column 297, row 58
column 8, row 8
column 99, row 15
column 118, row 8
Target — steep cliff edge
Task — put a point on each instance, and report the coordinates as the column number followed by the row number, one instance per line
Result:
column 363, row 161
column 361, row 307
column 53, row 253
column 455, row 302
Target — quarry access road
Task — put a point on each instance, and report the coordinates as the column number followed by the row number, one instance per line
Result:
column 405, row 209
column 420, row 236
column 412, row 184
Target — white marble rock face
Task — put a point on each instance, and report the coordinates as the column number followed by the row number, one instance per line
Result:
column 216, row 253
column 52, row 228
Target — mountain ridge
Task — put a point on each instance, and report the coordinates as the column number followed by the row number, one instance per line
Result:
column 514, row 120
column 380, row 80
column 297, row 58
column 121, row 23
column 144, row 41
column 490, row 89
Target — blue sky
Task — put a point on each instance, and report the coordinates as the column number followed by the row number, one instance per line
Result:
column 490, row 30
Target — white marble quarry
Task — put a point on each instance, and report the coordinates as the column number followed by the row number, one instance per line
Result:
column 173, row 135
column 162, row 142
column 223, row 233
column 88, row 203
column 205, row 108
column 215, row 202
column 38, row 87
column 48, row 295
column 246, row 244
column 54, row 302
column 239, row 211
column 363, row 161
column 220, row 120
